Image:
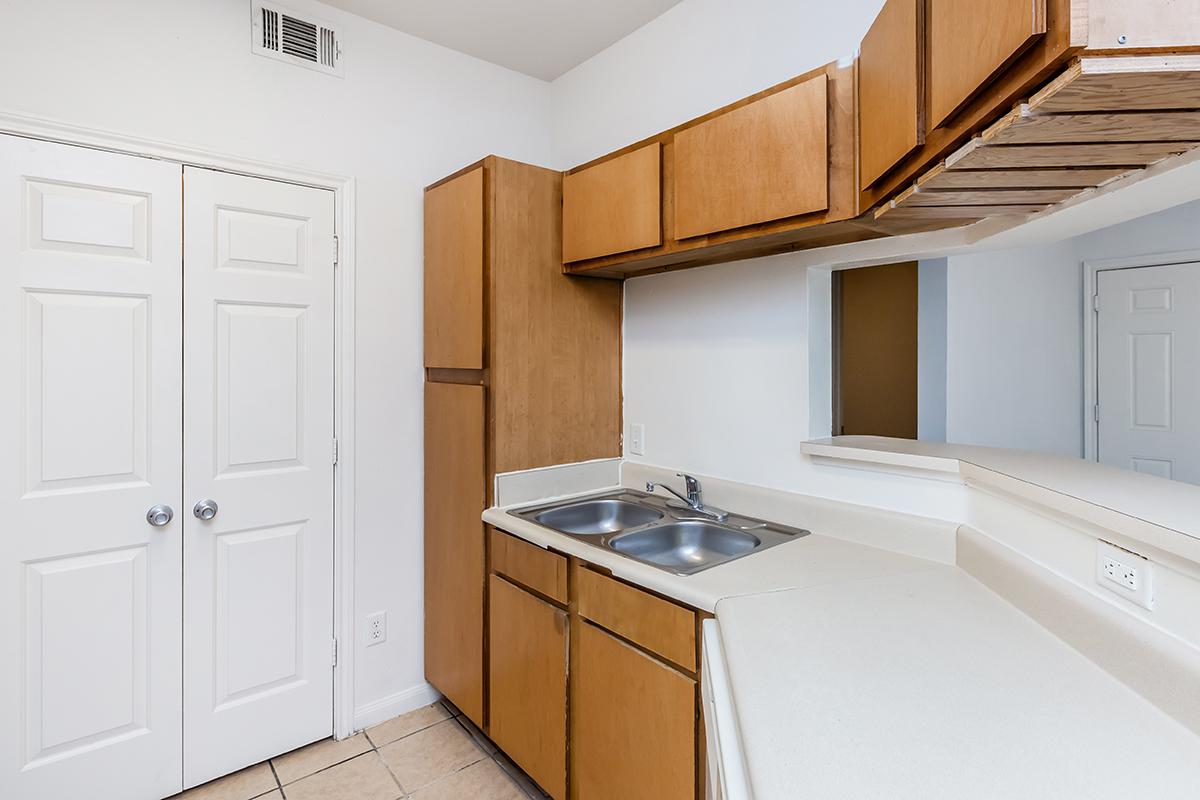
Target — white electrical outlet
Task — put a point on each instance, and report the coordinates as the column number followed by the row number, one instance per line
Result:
column 376, row 628
column 1125, row 573
column 637, row 439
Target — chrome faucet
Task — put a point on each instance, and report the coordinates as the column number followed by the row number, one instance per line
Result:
column 694, row 497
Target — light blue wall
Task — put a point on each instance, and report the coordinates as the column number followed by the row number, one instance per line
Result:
column 931, row 350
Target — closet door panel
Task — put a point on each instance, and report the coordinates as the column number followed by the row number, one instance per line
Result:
column 90, row 325
column 258, row 435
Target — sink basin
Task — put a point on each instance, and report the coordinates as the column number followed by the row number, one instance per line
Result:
column 651, row 530
column 597, row 517
column 685, row 546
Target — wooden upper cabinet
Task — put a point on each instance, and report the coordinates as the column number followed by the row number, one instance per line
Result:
column 891, row 89
column 970, row 41
column 454, row 272
column 614, row 206
column 765, row 160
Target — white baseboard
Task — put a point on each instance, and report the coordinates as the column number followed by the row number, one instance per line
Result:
column 393, row 705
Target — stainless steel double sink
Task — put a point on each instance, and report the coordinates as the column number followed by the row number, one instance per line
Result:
column 656, row 531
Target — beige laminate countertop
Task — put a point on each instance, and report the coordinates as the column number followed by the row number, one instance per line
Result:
column 926, row 684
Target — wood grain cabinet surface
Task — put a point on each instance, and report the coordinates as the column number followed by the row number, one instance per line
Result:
column 634, row 724
column 523, row 371
column 658, row 625
column 454, row 543
column 529, row 565
column 891, row 88
column 454, row 251
column 762, row 161
column 970, row 42
column 614, row 206
column 528, row 674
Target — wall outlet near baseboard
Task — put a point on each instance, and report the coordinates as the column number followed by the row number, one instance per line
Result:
column 376, row 628
column 1125, row 573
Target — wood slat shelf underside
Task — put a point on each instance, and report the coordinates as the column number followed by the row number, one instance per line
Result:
column 1101, row 120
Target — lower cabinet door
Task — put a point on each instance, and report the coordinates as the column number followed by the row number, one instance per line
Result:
column 528, row 675
column 634, row 723
column 455, row 567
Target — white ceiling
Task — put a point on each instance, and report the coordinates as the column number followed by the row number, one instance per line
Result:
column 542, row 38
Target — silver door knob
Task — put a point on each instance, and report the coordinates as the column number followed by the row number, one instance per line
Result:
column 159, row 516
column 205, row 510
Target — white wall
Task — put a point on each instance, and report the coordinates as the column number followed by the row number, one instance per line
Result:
column 1174, row 230
column 716, row 368
column 932, row 276
column 407, row 113
column 1014, row 360
column 699, row 55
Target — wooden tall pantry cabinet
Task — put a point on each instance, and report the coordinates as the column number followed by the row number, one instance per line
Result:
column 522, row 370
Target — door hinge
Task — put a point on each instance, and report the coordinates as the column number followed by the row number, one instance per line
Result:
column 1096, row 412
column 335, row 451
column 335, row 652
column 336, row 250
column 1096, row 302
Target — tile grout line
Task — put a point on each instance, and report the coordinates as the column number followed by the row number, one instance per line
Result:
column 485, row 755
column 278, row 783
column 404, row 795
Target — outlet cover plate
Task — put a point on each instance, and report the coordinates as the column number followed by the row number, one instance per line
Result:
column 1125, row 573
column 637, row 439
column 376, row 628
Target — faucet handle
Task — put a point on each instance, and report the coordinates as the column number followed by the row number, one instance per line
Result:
column 689, row 483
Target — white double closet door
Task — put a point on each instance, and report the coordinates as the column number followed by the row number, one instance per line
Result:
column 166, row 338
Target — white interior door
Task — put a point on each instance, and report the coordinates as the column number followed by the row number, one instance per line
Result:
column 90, row 337
column 258, row 441
column 1148, row 370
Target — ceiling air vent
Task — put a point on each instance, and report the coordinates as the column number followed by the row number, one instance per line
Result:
column 284, row 35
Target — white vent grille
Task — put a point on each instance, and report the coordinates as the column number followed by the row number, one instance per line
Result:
column 284, row 35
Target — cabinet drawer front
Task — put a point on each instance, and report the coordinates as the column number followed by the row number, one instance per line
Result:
column 970, row 42
column 613, row 207
column 653, row 623
column 889, row 87
column 530, row 565
column 454, row 273
column 763, row 161
column 633, row 724
column 528, row 676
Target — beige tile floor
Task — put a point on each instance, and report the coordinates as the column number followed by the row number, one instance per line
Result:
column 433, row 753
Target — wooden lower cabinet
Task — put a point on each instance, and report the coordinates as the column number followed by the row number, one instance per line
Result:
column 528, row 673
column 455, row 560
column 634, row 723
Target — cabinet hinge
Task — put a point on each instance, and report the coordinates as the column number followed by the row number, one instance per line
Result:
column 336, row 250
column 335, row 451
column 335, row 652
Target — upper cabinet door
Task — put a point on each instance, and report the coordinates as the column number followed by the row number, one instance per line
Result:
column 890, row 86
column 454, row 273
column 614, row 206
column 970, row 41
column 762, row 161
